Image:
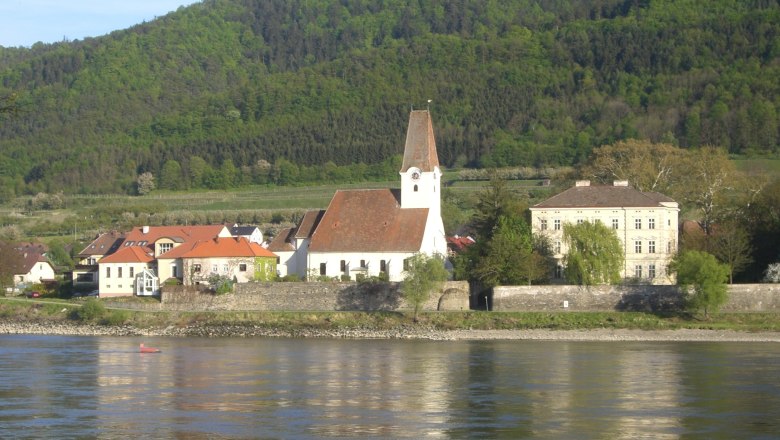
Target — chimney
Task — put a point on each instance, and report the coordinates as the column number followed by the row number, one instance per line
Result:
column 582, row 183
column 145, row 230
column 620, row 183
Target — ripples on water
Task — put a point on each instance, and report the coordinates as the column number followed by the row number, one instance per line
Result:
column 101, row 387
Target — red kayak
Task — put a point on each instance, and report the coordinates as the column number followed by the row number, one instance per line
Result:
column 149, row 349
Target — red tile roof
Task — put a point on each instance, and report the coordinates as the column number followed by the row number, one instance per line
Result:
column 283, row 241
column 227, row 247
column 420, row 148
column 130, row 254
column 176, row 233
column 369, row 221
column 309, row 223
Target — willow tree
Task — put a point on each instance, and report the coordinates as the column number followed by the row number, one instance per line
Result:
column 595, row 254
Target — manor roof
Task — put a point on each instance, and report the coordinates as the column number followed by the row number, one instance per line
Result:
column 605, row 196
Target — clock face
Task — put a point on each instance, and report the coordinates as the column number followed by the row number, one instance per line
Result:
column 415, row 174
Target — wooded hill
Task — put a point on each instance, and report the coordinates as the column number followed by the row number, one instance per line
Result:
column 254, row 86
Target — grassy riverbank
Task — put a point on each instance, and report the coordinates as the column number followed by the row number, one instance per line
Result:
column 92, row 312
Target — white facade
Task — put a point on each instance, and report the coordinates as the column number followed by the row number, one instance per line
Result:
column 648, row 233
column 40, row 271
column 119, row 279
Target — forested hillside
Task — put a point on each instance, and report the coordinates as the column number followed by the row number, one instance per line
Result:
column 229, row 92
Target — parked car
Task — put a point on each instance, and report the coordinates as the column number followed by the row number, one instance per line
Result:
column 94, row 293
column 33, row 294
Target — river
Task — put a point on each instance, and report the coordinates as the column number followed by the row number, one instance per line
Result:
column 205, row 388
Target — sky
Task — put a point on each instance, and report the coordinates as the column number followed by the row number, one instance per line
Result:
column 26, row 22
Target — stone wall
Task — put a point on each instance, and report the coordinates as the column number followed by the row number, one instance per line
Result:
column 742, row 298
column 311, row 296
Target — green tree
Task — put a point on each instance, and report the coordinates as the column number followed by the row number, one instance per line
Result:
column 170, row 175
column 10, row 264
column 595, row 254
column 510, row 257
column 198, row 168
column 423, row 275
column 496, row 200
column 703, row 279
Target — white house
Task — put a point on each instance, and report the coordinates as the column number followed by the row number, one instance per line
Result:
column 251, row 233
column 291, row 245
column 645, row 222
column 35, row 268
column 372, row 232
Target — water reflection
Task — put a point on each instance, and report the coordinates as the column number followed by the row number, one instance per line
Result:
column 277, row 388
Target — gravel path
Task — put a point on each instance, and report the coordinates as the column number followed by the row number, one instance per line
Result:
column 410, row 332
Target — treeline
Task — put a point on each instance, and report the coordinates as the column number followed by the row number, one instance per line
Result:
column 316, row 82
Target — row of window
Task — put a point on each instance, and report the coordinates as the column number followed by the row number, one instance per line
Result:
column 638, row 248
column 130, row 272
column 215, row 268
column 615, row 223
column 363, row 265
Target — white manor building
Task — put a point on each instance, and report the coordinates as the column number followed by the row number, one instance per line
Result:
column 645, row 222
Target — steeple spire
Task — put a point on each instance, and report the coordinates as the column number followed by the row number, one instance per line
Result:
column 420, row 147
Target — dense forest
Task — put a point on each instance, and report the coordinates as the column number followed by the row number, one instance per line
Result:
column 229, row 92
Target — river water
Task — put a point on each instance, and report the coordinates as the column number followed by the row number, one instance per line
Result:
column 205, row 388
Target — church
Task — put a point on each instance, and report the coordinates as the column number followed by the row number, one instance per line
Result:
column 372, row 232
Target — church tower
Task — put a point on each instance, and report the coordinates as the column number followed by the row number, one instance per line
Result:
column 420, row 173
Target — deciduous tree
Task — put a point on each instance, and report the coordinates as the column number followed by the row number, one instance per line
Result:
column 423, row 275
column 703, row 279
column 645, row 165
column 730, row 244
column 594, row 256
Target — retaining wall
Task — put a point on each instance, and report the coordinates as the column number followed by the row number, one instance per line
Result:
column 304, row 296
column 742, row 298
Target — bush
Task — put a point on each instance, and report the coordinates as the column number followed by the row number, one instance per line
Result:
column 91, row 311
column 116, row 317
column 293, row 277
column 346, row 278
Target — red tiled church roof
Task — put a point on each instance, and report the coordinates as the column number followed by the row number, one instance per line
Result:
column 369, row 221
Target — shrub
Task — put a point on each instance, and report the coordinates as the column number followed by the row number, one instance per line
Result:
column 116, row 317
column 772, row 274
column 91, row 311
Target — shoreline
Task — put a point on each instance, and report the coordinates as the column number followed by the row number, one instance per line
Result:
column 410, row 333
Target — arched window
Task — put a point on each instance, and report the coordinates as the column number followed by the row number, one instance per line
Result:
column 415, row 188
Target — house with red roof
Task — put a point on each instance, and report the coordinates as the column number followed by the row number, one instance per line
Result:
column 373, row 232
column 35, row 266
column 236, row 258
column 85, row 274
column 645, row 222
column 133, row 268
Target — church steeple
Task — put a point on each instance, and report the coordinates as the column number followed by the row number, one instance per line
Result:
column 420, row 173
